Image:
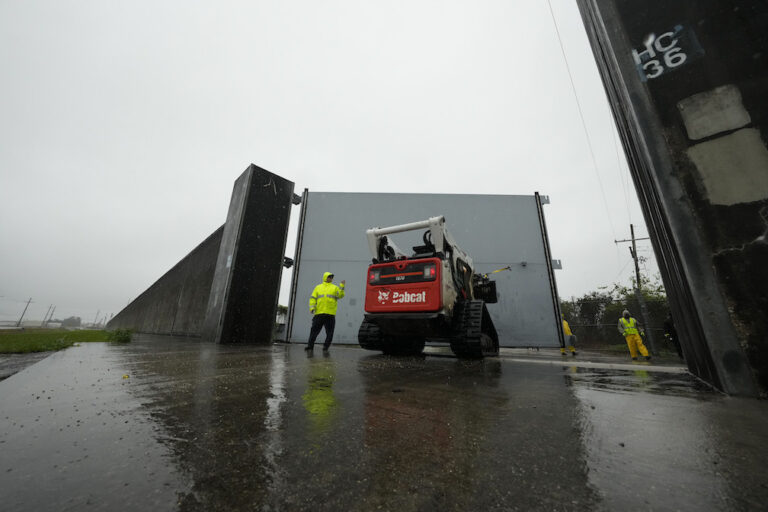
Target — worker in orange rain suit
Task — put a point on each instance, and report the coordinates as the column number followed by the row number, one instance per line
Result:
column 570, row 338
column 630, row 329
column 322, row 304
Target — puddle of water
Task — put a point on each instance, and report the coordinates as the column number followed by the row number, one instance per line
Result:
column 72, row 436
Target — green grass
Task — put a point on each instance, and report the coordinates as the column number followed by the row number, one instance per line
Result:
column 42, row 340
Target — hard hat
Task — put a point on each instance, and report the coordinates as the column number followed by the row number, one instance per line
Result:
column 624, row 313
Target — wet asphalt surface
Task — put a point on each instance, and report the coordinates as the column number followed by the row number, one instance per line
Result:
column 168, row 424
column 11, row 364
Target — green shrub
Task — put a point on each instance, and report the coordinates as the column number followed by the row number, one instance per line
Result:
column 121, row 335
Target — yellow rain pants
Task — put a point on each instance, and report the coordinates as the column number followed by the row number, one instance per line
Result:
column 635, row 343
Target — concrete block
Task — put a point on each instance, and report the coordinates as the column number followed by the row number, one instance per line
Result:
column 734, row 168
column 712, row 112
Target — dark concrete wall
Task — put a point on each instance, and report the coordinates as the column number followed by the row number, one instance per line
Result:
column 176, row 303
column 244, row 293
column 687, row 82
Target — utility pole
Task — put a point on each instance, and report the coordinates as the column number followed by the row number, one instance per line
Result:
column 633, row 251
column 638, row 291
column 18, row 324
column 52, row 311
column 45, row 318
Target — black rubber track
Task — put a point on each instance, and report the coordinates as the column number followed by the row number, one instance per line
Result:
column 475, row 335
column 369, row 336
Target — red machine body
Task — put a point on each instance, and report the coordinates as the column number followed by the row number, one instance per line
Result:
column 432, row 293
column 404, row 286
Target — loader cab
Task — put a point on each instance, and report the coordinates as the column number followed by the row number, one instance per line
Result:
column 427, row 250
column 387, row 250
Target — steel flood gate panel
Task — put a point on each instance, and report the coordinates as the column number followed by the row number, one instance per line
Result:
column 495, row 230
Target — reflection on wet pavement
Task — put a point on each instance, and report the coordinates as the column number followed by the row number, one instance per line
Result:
column 640, row 380
column 14, row 363
column 319, row 400
column 206, row 427
column 657, row 441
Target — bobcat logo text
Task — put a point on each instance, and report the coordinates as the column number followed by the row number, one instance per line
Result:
column 402, row 297
column 407, row 298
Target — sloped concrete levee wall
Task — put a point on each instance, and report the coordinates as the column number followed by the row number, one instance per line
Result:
column 687, row 83
column 226, row 289
column 176, row 303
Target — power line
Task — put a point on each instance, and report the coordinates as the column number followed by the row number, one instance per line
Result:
column 622, row 269
column 581, row 116
column 12, row 299
column 619, row 170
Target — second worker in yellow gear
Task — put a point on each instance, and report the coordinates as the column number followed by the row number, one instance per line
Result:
column 629, row 327
column 570, row 338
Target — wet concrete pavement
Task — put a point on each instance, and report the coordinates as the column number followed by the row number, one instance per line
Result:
column 167, row 424
column 11, row 364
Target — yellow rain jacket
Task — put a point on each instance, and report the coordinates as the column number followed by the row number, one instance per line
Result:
column 629, row 326
column 566, row 328
column 325, row 297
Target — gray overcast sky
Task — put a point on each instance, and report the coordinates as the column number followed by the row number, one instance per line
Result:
column 124, row 124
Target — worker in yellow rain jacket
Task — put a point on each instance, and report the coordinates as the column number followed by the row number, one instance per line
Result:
column 570, row 338
column 323, row 304
column 630, row 329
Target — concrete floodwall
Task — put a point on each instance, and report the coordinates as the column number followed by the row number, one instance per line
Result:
column 687, row 84
column 176, row 303
column 226, row 289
